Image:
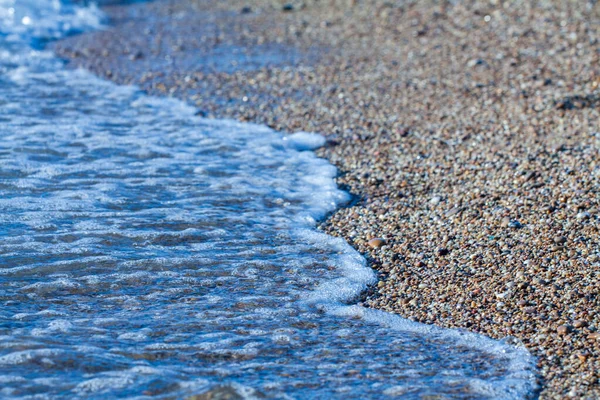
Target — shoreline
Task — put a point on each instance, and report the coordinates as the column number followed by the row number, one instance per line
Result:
column 469, row 133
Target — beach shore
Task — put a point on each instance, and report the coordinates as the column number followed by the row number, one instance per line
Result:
column 469, row 132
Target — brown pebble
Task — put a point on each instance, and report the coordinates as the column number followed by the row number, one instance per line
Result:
column 376, row 243
column 594, row 336
column 578, row 323
column 563, row 329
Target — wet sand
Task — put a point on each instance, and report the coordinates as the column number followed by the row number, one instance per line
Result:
column 469, row 133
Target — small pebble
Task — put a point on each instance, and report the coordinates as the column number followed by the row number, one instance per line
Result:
column 435, row 200
column 578, row 323
column 594, row 336
column 563, row 329
column 376, row 243
column 583, row 215
column 560, row 240
column 515, row 224
column 443, row 251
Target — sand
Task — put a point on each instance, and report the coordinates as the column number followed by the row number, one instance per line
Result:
column 468, row 131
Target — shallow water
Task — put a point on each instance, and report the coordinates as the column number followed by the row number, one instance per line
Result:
column 147, row 252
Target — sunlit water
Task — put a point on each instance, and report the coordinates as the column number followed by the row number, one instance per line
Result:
column 146, row 252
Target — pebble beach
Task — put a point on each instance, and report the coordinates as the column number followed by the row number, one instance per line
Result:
column 468, row 133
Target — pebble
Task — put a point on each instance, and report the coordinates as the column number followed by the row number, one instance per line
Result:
column 594, row 336
column 435, row 200
column 442, row 251
column 560, row 240
column 515, row 224
column 377, row 243
column 563, row 329
column 578, row 323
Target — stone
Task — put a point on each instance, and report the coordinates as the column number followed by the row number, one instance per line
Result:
column 583, row 215
column 377, row 243
column 515, row 224
column 442, row 251
column 578, row 323
column 563, row 329
column 594, row 336
column 560, row 240
column 435, row 200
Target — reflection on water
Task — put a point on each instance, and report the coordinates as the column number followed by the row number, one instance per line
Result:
column 149, row 253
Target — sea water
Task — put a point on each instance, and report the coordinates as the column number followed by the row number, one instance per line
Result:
column 149, row 253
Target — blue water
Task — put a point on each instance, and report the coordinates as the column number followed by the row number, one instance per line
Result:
column 149, row 253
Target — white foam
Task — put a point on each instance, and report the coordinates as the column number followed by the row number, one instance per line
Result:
column 11, row 379
column 25, row 356
column 96, row 385
column 135, row 336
